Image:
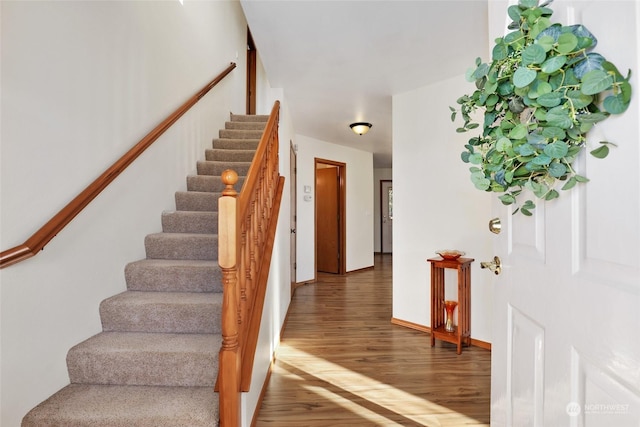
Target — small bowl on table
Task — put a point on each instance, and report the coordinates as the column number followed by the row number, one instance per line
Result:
column 450, row 254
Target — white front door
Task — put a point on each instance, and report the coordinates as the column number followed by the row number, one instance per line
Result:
column 566, row 327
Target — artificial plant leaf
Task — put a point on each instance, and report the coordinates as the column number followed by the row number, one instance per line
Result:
column 475, row 158
column 596, row 81
column 533, row 54
column 553, row 31
column 553, row 132
column 546, row 42
column 557, row 170
column 516, row 105
column 553, row 64
column 499, row 178
column 503, row 144
column 578, row 99
column 540, row 24
column 556, row 149
column 505, row 88
column 514, row 12
column 465, row 156
column 592, row 117
column 571, row 182
column 567, row 42
column 480, row 72
column 526, row 150
column 552, row 194
column 600, row 152
column 615, row 104
column 541, row 160
column 518, row 132
column 625, row 89
column 539, row 87
column 523, row 77
column 527, row 4
column 480, row 181
column 559, row 117
column 592, row 61
column 585, row 37
column 515, row 39
column 551, row 99
column 507, row 199
column 537, row 140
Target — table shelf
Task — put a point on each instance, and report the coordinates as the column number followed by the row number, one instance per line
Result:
column 462, row 333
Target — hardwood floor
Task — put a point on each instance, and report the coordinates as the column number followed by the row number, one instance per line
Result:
column 342, row 363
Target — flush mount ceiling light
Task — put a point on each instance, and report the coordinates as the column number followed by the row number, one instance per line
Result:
column 360, row 127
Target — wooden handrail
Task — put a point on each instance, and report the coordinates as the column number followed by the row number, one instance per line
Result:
column 40, row 238
column 246, row 235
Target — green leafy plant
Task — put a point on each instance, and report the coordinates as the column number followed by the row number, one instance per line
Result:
column 543, row 90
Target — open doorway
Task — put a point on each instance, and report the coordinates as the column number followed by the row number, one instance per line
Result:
column 293, row 179
column 252, row 58
column 386, row 216
column 330, row 224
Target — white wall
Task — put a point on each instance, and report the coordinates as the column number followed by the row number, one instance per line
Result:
column 359, row 209
column 435, row 204
column 81, row 83
column 378, row 175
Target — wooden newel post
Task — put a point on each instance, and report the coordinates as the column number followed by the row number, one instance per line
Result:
column 229, row 363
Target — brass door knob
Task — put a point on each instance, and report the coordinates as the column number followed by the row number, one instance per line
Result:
column 494, row 265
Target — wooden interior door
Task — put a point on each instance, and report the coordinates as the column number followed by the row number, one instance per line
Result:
column 327, row 220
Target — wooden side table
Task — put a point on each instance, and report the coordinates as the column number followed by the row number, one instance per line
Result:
column 462, row 334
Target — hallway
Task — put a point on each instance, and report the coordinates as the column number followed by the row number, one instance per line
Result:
column 342, row 363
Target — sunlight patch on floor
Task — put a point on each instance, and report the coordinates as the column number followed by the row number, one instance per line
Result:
column 382, row 395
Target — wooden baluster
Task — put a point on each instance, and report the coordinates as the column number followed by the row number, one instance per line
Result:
column 229, row 363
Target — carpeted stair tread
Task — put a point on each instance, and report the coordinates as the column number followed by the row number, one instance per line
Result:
column 171, row 275
column 200, row 201
column 234, row 124
column 240, row 134
column 156, row 312
column 229, row 155
column 88, row 405
column 190, row 222
column 249, row 118
column 210, row 183
column 181, row 246
column 210, row 167
column 235, row 144
column 138, row 358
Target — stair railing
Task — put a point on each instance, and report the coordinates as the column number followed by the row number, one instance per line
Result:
column 43, row 236
column 246, row 234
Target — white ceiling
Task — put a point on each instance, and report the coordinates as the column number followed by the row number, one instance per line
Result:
column 340, row 62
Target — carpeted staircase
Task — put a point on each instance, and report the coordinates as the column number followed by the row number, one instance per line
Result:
column 155, row 363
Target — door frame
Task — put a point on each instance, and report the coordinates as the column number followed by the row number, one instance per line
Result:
column 342, row 229
column 382, row 181
column 252, row 58
column 293, row 180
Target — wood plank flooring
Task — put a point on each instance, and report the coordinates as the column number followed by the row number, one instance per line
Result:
column 342, row 363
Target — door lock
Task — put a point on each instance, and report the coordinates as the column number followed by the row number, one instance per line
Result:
column 494, row 265
column 495, row 226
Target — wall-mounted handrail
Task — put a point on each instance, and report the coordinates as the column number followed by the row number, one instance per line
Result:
column 40, row 238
